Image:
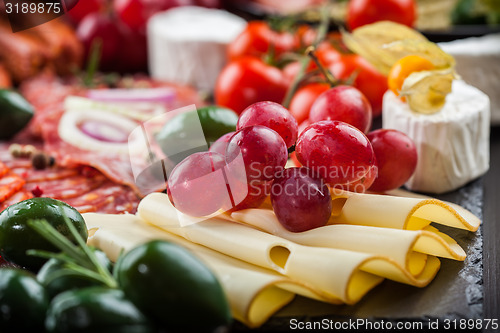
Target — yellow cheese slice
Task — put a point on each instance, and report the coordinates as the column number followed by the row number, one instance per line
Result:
column 334, row 273
column 398, row 212
column 253, row 293
column 408, row 248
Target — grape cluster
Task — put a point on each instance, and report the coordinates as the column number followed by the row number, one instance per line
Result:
column 243, row 168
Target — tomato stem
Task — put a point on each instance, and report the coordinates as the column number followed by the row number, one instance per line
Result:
column 305, row 60
column 328, row 75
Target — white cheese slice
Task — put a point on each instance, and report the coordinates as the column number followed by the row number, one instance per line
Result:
column 452, row 144
column 188, row 45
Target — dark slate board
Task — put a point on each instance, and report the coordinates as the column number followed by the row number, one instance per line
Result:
column 455, row 293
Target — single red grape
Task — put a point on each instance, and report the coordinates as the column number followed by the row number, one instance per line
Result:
column 263, row 151
column 247, row 195
column 99, row 27
column 343, row 103
column 220, row 145
column 396, row 158
column 301, row 200
column 197, row 185
column 338, row 152
column 77, row 10
column 272, row 115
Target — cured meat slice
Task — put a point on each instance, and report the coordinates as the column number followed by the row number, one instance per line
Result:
column 49, row 111
column 106, row 199
column 68, row 187
column 10, row 183
column 15, row 198
column 3, row 169
column 31, row 175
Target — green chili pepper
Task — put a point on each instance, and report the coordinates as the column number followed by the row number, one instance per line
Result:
column 173, row 287
column 95, row 310
column 15, row 113
column 193, row 132
column 23, row 302
column 16, row 237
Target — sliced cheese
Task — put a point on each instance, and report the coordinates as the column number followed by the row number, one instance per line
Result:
column 452, row 144
column 407, row 247
column 397, row 212
column 334, row 273
column 253, row 292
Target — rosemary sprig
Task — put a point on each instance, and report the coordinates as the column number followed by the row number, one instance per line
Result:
column 79, row 260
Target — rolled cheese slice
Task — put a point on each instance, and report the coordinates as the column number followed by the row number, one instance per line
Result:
column 398, row 212
column 188, row 44
column 407, row 247
column 254, row 293
column 452, row 144
column 333, row 273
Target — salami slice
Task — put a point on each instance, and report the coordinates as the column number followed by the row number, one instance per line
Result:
column 3, row 169
column 10, row 183
column 50, row 110
column 68, row 187
column 106, row 199
column 15, row 198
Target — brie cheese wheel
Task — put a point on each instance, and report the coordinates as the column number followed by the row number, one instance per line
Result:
column 187, row 45
column 452, row 144
column 478, row 63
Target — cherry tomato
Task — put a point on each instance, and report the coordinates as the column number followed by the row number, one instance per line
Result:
column 403, row 68
column 304, row 98
column 248, row 80
column 135, row 13
column 368, row 80
column 361, row 12
column 258, row 39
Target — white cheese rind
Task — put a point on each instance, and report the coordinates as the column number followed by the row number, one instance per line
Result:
column 188, row 45
column 452, row 144
column 478, row 63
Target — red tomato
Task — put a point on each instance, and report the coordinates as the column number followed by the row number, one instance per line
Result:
column 361, row 12
column 369, row 81
column 258, row 39
column 304, row 98
column 248, row 80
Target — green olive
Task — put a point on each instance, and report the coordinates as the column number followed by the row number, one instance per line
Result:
column 173, row 287
column 16, row 236
column 56, row 280
column 23, row 302
column 95, row 310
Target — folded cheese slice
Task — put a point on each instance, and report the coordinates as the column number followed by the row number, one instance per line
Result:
column 409, row 248
column 398, row 212
column 253, row 293
column 333, row 273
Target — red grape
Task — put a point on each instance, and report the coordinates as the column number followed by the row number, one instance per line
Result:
column 263, row 151
column 301, row 200
column 272, row 115
column 136, row 13
column 343, row 103
column 77, row 10
column 338, row 152
column 100, row 27
column 396, row 158
column 197, row 186
column 247, row 195
column 220, row 145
